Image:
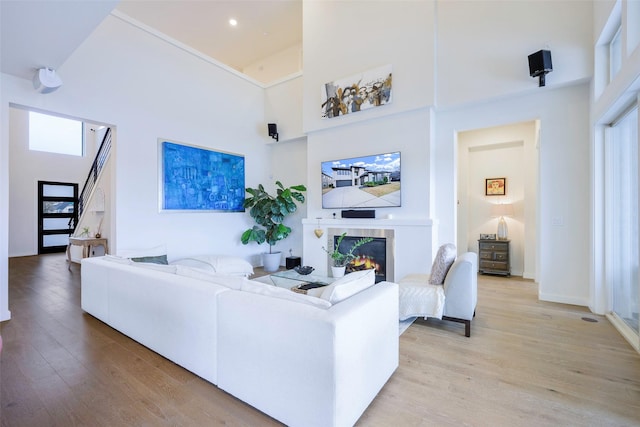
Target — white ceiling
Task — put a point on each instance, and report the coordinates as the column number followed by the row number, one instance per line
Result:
column 264, row 27
column 37, row 34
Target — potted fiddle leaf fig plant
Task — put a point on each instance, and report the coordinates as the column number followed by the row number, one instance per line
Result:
column 340, row 259
column 269, row 212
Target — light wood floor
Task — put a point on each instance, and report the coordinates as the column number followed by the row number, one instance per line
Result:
column 527, row 363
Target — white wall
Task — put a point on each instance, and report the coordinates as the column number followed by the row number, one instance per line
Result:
column 123, row 76
column 288, row 165
column 407, row 133
column 190, row 101
column 149, row 89
column 443, row 65
column 282, row 106
column 26, row 169
column 374, row 33
column 272, row 68
column 563, row 180
column 5, row 313
column 483, row 46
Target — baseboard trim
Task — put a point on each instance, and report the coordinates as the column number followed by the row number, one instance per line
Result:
column 563, row 299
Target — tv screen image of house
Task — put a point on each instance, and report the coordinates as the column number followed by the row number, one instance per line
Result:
column 362, row 182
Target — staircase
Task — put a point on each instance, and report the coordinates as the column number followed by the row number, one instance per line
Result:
column 98, row 163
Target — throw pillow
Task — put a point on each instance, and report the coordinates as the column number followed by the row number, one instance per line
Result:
column 195, row 263
column 232, row 265
column 442, row 263
column 156, row 259
column 348, row 285
column 282, row 293
column 221, row 264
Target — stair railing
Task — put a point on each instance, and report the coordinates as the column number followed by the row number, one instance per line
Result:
column 98, row 163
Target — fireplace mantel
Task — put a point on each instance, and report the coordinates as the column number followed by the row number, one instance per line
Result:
column 369, row 223
column 414, row 241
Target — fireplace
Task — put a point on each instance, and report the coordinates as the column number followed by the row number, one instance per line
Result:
column 378, row 254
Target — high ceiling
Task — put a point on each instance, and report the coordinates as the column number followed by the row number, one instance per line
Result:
column 37, row 34
column 264, row 27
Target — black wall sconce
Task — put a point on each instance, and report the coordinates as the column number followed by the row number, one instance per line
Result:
column 540, row 65
column 273, row 131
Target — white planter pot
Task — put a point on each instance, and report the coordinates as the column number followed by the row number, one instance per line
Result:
column 271, row 262
column 337, row 271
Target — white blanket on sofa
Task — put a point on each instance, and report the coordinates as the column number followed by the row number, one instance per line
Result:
column 420, row 299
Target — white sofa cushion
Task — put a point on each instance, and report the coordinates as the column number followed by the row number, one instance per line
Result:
column 221, row 264
column 348, row 285
column 118, row 259
column 442, row 263
column 194, row 263
column 276, row 292
column 231, row 282
column 171, row 269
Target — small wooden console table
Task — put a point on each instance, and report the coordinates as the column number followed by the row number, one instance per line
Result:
column 87, row 243
column 494, row 257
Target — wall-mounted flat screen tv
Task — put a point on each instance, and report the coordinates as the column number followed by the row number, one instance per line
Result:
column 362, row 182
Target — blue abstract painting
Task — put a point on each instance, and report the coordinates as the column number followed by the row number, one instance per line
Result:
column 199, row 179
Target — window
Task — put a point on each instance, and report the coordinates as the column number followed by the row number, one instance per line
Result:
column 615, row 54
column 621, row 217
column 55, row 134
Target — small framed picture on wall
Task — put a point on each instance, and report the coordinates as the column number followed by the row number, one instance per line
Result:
column 495, row 186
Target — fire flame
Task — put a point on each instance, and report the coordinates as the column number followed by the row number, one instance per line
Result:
column 364, row 262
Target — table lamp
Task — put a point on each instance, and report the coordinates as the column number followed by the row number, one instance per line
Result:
column 502, row 210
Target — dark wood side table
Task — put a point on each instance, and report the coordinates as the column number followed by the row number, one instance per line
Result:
column 494, row 257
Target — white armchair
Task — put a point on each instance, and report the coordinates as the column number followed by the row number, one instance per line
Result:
column 455, row 300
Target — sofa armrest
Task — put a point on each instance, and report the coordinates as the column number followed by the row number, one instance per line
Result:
column 461, row 287
column 308, row 366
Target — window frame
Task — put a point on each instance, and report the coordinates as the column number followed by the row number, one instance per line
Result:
column 45, row 149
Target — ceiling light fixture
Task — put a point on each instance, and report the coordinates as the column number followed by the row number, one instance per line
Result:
column 233, row 22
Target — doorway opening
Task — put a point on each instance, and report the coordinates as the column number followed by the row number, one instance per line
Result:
column 508, row 153
column 57, row 215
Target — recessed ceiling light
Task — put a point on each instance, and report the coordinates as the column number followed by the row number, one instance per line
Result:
column 233, row 22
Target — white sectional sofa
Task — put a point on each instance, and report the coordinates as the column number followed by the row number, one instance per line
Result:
column 303, row 360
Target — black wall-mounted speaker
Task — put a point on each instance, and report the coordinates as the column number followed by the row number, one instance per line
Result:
column 365, row 213
column 540, row 62
column 273, row 130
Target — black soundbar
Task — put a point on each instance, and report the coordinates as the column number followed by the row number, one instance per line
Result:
column 368, row 213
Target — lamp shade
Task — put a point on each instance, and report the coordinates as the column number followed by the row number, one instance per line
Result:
column 503, row 209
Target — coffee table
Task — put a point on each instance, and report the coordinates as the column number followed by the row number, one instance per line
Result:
column 291, row 280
